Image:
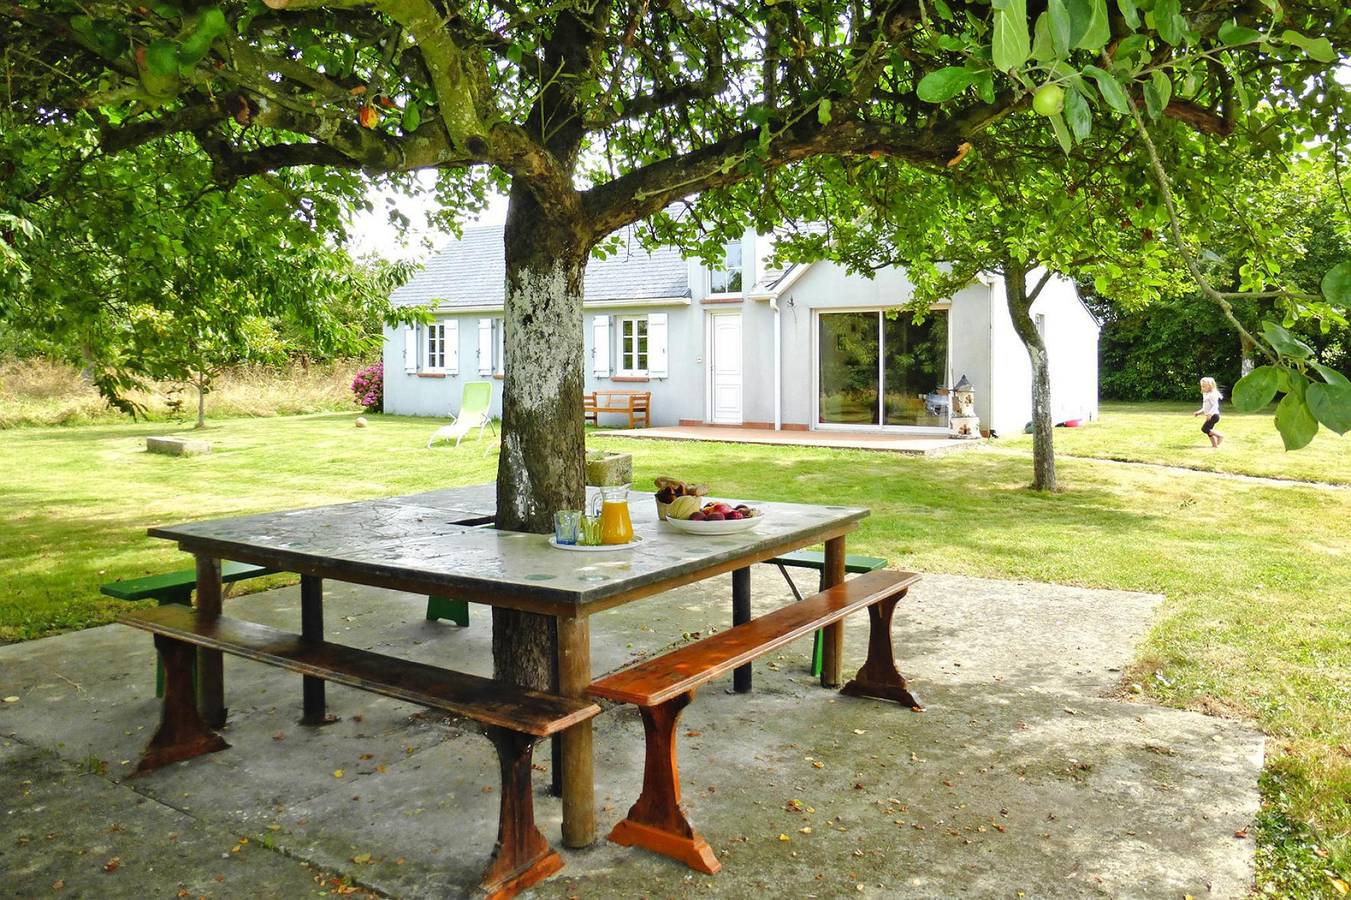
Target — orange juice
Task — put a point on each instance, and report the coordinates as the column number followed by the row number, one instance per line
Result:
column 615, row 525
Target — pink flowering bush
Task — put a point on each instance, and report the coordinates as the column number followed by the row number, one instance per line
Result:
column 369, row 387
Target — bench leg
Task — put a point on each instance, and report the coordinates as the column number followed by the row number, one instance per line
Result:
column 315, row 703
column 657, row 822
column 181, row 734
column 456, row 611
column 741, row 613
column 522, row 856
column 879, row 676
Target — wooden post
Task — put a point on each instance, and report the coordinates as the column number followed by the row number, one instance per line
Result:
column 832, row 648
column 522, row 856
column 741, row 612
column 181, row 734
column 312, row 629
column 574, row 677
column 879, row 676
column 210, row 663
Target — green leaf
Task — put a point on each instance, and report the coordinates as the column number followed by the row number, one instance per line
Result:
column 1110, row 88
column 1081, row 14
column 1336, row 284
column 1285, row 342
column 1162, row 85
column 1129, row 12
column 1331, row 405
column 1062, row 134
column 984, row 81
column 944, row 84
column 412, row 117
column 1330, row 375
column 1098, row 33
column 1295, row 422
column 1319, row 48
column 1012, row 43
column 1078, row 115
column 1168, row 20
column 823, row 111
column 1234, row 34
column 1256, row 389
column 161, row 57
column 1042, row 49
column 1059, row 25
column 1154, row 102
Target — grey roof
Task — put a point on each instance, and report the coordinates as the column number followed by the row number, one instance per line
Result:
column 471, row 271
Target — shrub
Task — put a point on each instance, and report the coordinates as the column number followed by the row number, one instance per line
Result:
column 369, row 387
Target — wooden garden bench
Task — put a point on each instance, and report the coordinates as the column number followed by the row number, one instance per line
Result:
column 634, row 404
column 816, row 559
column 514, row 718
column 177, row 587
column 663, row 686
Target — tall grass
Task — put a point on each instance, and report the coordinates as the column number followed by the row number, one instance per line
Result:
column 42, row 392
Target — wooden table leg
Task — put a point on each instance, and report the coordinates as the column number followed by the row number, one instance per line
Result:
column 832, row 647
column 741, row 612
column 210, row 663
column 579, row 790
column 312, row 629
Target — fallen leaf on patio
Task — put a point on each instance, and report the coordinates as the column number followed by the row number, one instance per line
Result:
column 361, row 859
column 784, row 837
column 487, row 789
column 112, row 864
column 337, row 773
column 793, row 805
column 235, row 849
column 366, row 756
column 693, row 733
column 860, row 731
column 182, row 892
column 400, row 861
column 381, row 769
column 805, row 829
column 279, row 736
column 274, row 827
column 11, row 699
column 58, row 884
column 1241, row 833
column 818, row 765
column 1000, row 828
column 1338, row 885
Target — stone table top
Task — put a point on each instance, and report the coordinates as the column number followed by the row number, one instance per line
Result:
column 420, row 542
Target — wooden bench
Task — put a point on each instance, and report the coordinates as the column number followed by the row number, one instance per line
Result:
column 634, row 404
column 663, row 686
column 177, row 587
column 514, row 719
column 816, row 559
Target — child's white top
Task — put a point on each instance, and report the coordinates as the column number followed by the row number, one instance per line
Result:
column 1210, row 403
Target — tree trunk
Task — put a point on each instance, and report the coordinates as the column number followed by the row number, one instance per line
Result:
column 201, row 403
column 541, row 464
column 1245, row 360
column 1043, row 426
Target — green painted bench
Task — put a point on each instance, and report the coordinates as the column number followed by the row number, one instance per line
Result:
column 816, row 559
column 176, row 587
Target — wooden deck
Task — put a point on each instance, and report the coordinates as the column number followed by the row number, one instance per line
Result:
column 917, row 445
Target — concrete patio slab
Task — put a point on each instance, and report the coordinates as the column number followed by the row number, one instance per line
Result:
column 1023, row 774
column 915, row 445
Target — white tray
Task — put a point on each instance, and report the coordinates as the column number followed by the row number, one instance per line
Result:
column 597, row 548
column 717, row 526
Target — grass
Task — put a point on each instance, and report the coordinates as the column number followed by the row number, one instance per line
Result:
column 1255, row 624
column 1166, row 434
column 41, row 392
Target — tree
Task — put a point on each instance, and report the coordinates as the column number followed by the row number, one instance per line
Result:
column 591, row 114
column 139, row 266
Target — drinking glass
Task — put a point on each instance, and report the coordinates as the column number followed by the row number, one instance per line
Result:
column 567, row 525
column 590, row 531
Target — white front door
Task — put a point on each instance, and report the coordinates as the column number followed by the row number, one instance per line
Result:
column 724, row 368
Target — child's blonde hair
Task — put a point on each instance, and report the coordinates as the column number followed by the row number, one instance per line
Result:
column 1208, row 385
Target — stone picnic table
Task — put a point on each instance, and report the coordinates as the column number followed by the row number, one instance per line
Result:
column 442, row 543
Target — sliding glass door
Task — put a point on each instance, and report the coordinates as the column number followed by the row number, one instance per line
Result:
column 882, row 371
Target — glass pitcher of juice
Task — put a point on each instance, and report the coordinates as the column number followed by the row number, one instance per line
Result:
column 615, row 525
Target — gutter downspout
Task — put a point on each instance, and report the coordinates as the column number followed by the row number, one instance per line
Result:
column 778, row 387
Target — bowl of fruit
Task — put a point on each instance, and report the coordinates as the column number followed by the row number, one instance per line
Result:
column 670, row 489
column 690, row 514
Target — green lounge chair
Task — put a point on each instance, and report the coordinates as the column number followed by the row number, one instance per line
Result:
column 474, row 406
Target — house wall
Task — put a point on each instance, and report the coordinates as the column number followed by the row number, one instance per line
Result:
column 1071, row 335
column 677, row 396
column 827, row 286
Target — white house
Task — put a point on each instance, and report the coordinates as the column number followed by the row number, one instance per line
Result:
column 807, row 347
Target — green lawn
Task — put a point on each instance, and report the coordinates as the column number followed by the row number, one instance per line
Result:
column 1256, row 622
column 1166, row 433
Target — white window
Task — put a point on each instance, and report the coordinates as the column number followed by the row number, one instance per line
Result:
column 435, row 357
column 491, row 347
column 727, row 280
column 500, row 360
column 632, row 345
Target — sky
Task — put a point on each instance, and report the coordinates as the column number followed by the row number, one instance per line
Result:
column 372, row 232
